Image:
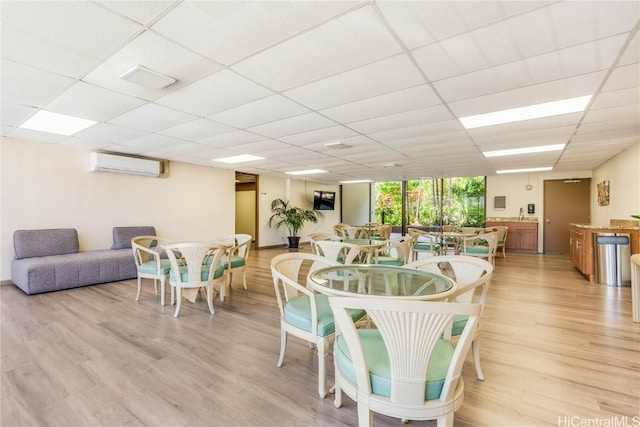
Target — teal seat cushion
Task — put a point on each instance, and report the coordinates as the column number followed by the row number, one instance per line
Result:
column 425, row 247
column 501, row 242
column 297, row 312
column 184, row 273
column 386, row 260
column 379, row 366
column 477, row 249
column 459, row 322
column 236, row 261
column 149, row 267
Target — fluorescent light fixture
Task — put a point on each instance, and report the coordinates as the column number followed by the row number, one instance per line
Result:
column 547, row 109
column 542, row 169
column 61, row 124
column 238, row 159
column 337, row 145
column 356, row 181
column 306, row 172
column 390, row 165
column 148, row 78
column 525, row 150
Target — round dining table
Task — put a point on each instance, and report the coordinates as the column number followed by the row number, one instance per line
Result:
column 381, row 281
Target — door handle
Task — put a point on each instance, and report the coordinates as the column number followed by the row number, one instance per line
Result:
column 548, row 221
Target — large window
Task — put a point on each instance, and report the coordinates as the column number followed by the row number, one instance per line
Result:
column 431, row 202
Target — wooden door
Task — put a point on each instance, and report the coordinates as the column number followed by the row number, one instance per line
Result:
column 565, row 201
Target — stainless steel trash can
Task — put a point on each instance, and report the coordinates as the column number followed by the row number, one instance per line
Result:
column 611, row 258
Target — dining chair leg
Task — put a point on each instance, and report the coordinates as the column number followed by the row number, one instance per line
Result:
column 244, row 279
column 322, row 368
column 365, row 416
column 210, row 299
column 475, row 349
column 155, row 286
column 283, row 346
column 139, row 288
column 162, row 289
column 178, row 301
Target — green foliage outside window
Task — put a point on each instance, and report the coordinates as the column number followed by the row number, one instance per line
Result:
column 448, row 201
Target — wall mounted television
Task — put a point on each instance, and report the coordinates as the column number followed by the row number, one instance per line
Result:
column 324, row 200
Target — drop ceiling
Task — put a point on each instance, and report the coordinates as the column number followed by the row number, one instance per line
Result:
column 281, row 80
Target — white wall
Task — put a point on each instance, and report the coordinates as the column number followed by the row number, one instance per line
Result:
column 623, row 173
column 356, row 204
column 299, row 193
column 50, row 186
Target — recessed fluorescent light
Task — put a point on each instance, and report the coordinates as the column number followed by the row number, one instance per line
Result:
column 306, row 172
column 238, row 159
column 390, row 165
column 148, row 78
column 355, row 181
column 546, row 168
column 337, row 145
column 61, row 124
column 547, row 109
column 525, row 150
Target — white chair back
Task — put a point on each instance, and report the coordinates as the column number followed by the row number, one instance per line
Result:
column 345, row 253
column 410, row 330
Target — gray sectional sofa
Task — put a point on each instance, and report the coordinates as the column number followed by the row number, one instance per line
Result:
column 49, row 260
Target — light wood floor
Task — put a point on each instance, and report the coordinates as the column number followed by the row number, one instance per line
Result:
column 554, row 346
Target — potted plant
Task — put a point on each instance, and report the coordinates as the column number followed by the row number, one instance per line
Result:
column 293, row 218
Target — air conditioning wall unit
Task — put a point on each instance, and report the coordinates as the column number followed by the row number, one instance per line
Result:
column 104, row 162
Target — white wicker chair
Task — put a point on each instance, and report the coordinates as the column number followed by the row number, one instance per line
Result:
column 236, row 258
column 303, row 313
column 147, row 252
column 417, row 369
column 473, row 277
column 195, row 266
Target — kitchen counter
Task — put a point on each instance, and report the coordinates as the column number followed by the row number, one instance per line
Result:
column 511, row 219
column 603, row 227
column 522, row 236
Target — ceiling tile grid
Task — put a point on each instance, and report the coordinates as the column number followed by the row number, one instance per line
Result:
column 281, row 80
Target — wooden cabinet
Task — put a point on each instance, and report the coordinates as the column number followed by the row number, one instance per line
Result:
column 580, row 250
column 521, row 237
column 581, row 245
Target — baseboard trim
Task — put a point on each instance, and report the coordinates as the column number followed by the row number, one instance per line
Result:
column 6, row 282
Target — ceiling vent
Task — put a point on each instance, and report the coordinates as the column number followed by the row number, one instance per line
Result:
column 103, row 162
column 148, row 78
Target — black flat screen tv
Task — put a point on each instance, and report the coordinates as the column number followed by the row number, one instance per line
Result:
column 324, row 200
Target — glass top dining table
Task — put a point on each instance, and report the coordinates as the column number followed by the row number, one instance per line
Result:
column 381, row 281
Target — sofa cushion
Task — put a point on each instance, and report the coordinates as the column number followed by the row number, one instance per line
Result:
column 122, row 235
column 36, row 243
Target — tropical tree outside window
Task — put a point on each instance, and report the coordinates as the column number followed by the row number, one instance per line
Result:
column 433, row 202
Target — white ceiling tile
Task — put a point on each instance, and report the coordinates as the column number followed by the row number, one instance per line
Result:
column 63, row 37
column 631, row 112
column 29, row 86
column 271, row 108
column 408, row 99
column 109, row 133
column 196, row 130
column 330, row 134
column 339, row 45
column 152, row 118
column 232, row 138
column 79, row 101
column 155, row 53
column 14, row 114
column 6, row 130
column 624, row 77
column 89, row 144
column 539, row 136
column 382, row 77
column 187, row 148
column 35, row 135
column 229, row 31
column 419, row 23
column 632, row 53
column 418, row 131
column 154, row 142
column 218, row 92
column 607, row 99
column 436, row 113
column 293, row 125
column 261, row 146
column 127, row 149
column 141, row 11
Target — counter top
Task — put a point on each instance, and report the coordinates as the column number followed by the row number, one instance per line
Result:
column 603, row 227
column 511, row 219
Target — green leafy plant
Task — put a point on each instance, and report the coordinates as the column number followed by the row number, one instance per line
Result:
column 291, row 217
column 635, row 216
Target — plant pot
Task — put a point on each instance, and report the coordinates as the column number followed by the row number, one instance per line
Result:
column 293, row 242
